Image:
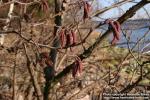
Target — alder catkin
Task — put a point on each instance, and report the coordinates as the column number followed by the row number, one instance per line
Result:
column 118, row 29
column 87, row 8
column 62, row 37
column 44, row 6
column 80, row 66
column 74, row 36
column 77, row 67
column 115, row 26
column 67, row 39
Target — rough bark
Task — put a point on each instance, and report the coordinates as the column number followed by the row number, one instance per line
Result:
column 56, row 43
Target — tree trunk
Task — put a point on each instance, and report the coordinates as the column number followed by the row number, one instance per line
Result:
column 56, row 43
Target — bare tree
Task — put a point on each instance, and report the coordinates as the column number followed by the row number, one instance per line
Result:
column 64, row 54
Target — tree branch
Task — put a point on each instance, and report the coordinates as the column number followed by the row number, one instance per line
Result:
column 108, row 8
column 33, row 78
column 131, row 86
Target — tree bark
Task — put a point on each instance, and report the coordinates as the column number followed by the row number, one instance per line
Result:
column 53, row 54
column 58, row 23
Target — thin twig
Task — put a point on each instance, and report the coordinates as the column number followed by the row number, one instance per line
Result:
column 14, row 79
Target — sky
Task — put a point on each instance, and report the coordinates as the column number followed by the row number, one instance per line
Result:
column 116, row 13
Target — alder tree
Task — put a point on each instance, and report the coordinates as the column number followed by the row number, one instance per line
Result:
column 62, row 50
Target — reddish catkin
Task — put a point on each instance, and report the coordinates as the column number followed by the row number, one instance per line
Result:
column 77, row 67
column 69, row 40
column 87, row 8
column 62, row 37
column 74, row 37
column 118, row 29
column 80, row 65
column 114, row 40
column 115, row 26
column 114, row 29
column 45, row 6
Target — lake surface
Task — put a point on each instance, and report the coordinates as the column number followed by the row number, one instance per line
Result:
column 134, row 36
column 134, row 30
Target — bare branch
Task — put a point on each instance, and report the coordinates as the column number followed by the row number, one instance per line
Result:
column 33, row 77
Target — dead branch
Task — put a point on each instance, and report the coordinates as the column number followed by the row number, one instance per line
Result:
column 33, row 77
column 108, row 8
column 14, row 80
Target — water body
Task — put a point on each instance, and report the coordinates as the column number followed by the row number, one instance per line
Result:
column 134, row 30
column 134, row 36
